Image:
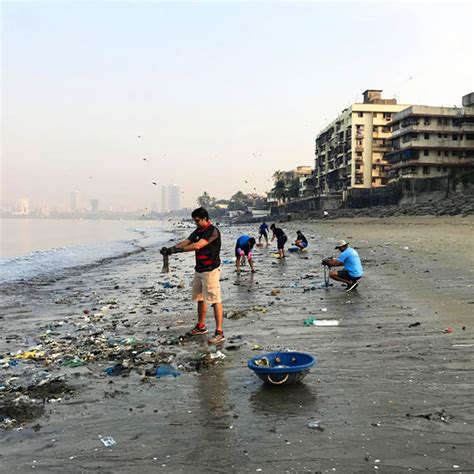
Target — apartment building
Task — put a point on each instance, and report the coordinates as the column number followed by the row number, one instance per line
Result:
column 350, row 151
column 431, row 141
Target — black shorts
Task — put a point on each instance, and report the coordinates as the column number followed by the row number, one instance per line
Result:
column 237, row 254
column 281, row 242
column 346, row 275
column 263, row 233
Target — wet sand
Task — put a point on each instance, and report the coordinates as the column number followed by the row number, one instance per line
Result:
column 390, row 397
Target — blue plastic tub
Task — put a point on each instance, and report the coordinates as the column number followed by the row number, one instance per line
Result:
column 282, row 368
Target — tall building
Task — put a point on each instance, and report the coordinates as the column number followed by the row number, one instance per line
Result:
column 170, row 198
column 74, row 201
column 24, row 206
column 431, row 141
column 173, row 197
column 164, row 199
column 350, row 151
column 94, row 205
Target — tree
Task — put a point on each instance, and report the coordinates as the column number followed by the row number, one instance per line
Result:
column 238, row 202
column 280, row 191
column 206, row 201
column 294, row 189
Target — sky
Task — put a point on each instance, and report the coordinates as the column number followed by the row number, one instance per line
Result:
column 219, row 92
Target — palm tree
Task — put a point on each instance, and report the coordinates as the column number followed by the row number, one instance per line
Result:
column 280, row 191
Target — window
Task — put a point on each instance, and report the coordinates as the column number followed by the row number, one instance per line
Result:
column 360, row 114
column 375, row 114
column 426, row 152
column 439, row 153
column 439, row 135
column 426, row 170
column 359, row 154
column 427, row 136
column 427, row 121
column 446, row 153
column 387, row 116
column 374, row 167
column 455, row 137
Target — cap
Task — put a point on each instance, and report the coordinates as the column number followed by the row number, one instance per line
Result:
column 340, row 243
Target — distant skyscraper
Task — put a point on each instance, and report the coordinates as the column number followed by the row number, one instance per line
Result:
column 24, row 206
column 164, row 199
column 173, row 196
column 94, row 205
column 74, row 201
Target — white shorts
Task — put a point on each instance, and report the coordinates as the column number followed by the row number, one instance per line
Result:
column 207, row 286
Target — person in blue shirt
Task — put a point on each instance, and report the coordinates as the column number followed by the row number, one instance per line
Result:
column 350, row 260
column 263, row 232
column 243, row 248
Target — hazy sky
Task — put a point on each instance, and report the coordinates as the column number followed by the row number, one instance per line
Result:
column 219, row 92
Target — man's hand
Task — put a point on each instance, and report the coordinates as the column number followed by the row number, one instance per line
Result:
column 172, row 250
column 325, row 262
column 164, row 250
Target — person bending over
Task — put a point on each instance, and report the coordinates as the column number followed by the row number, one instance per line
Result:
column 301, row 241
column 243, row 249
column 350, row 260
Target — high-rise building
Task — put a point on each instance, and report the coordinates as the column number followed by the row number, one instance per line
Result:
column 170, row 198
column 74, row 201
column 94, row 205
column 432, row 141
column 173, row 197
column 24, row 206
column 164, row 199
column 350, row 152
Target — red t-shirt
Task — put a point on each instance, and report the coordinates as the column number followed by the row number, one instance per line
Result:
column 207, row 258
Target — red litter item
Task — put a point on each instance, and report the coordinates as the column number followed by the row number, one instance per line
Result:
column 449, row 330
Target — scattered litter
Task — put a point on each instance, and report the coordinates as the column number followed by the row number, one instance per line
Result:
column 321, row 322
column 315, row 425
column 459, row 346
column 217, row 355
column 117, row 369
column 448, row 330
column 257, row 347
column 414, row 325
column 108, row 441
column 275, row 292
column 165, row 369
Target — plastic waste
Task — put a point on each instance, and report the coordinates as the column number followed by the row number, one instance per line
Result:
column 75, row 362
column 217, row 355
column 116, row 369
column 315, row 425
column 165, row 369
column 34, row 354
column 321, row 322
column 108, row 441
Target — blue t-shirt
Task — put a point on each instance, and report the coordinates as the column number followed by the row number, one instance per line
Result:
column 263, row 228
column 351, row 261
column 242, row 241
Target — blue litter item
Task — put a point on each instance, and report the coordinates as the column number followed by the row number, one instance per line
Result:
column 282, row 368
column 165, row 369
column 293, row 249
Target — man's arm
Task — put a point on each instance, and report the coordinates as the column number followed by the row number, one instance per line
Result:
column 332, row 262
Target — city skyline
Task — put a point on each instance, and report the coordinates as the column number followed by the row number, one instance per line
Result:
column 213, row 96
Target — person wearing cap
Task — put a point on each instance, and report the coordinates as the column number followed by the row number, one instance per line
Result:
column 243, row 248
column 350, row 260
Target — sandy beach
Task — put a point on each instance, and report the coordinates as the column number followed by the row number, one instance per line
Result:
column 391, row 395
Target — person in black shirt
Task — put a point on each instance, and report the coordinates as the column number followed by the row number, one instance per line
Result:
column 281, row 240
column 206, row 242
column 301, row 241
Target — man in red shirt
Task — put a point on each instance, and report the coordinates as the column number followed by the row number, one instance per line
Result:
column 206, row 242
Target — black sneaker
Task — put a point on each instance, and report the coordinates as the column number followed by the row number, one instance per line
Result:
column 352, row 286
column 196, row 331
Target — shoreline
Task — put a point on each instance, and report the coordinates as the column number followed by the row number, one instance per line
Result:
column 379, row 384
